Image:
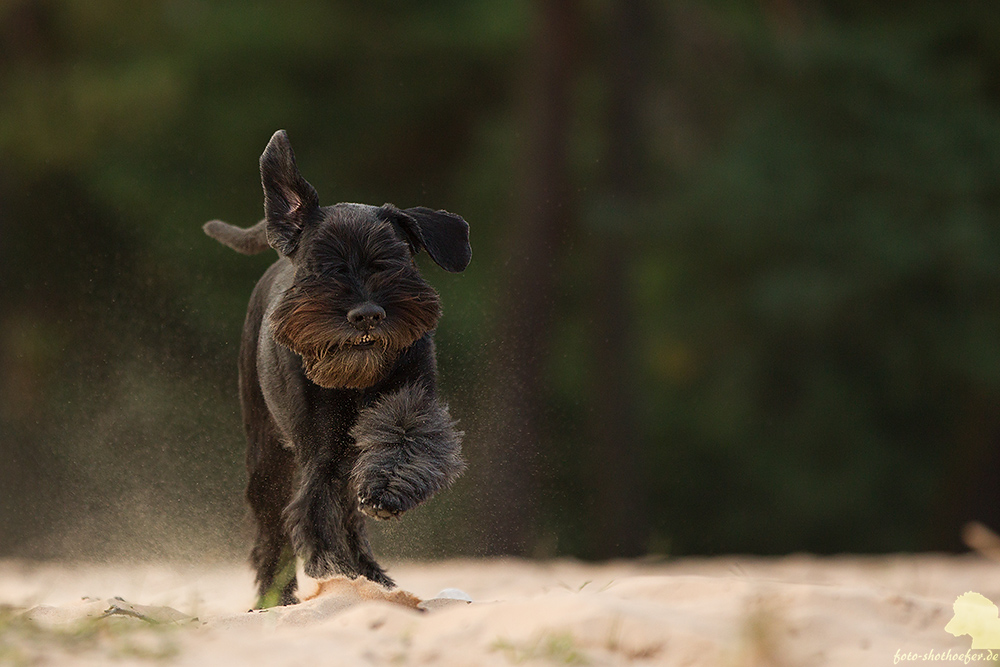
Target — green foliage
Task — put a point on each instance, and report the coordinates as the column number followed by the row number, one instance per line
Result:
column 285, row 574
column 558, row 648
column 27, row 642
column 812, row 268
column 837, row 254
column 122, row 130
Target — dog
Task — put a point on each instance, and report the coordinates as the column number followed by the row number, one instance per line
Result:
column 337, row 375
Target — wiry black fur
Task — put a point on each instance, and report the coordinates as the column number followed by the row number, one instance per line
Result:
column 408, row 446
column 338, row 372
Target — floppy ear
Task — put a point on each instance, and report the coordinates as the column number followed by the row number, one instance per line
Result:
column 289, row 201
column 444, row 235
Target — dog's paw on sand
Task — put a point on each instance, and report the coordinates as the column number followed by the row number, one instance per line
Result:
column 330, row 597
column 362, row 590
column 334, row 596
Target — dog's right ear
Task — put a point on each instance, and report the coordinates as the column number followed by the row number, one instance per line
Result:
column 444, row 235
column 290, row 203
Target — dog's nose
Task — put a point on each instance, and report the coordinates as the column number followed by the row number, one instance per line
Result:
column 366, row 316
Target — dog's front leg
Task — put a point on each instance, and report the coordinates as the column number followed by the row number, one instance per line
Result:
column 408, row 449
column 315, row 517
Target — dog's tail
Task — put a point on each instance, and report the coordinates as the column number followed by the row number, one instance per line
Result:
column 249, row 241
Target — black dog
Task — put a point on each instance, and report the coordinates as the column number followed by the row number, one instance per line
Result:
column 338, row 373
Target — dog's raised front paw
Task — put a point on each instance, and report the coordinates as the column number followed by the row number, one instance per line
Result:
column 377, row 510
column 408, row 449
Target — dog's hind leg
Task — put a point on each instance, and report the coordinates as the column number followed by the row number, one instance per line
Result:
column 271, row 472
column 268, row 492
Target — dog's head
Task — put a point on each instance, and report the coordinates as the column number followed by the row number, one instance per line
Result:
column 357, row 299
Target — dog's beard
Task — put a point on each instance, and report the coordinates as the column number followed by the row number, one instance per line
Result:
column 348, row 366
column 332, row 356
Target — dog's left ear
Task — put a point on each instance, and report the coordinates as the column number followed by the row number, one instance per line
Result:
column 290, row 203
column 444, row 235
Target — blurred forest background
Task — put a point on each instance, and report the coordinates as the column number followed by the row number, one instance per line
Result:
column 735, row 287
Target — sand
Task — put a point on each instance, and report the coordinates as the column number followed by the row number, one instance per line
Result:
column 736, row 611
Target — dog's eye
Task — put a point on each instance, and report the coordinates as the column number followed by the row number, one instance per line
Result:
column 333, row 271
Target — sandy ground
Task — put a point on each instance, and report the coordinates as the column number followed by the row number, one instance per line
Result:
column 737, row 611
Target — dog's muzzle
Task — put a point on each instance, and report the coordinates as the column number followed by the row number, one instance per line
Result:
column 366, row 316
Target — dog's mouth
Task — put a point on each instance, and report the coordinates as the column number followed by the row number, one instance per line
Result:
column 362, row 342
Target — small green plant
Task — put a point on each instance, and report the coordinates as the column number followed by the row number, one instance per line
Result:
column 760, row 635
column 24, row 641
column 559, row 648
column 578, row 588
column 285, row 575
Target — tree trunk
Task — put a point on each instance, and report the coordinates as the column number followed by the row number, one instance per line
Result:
column 536, row 235
column 619, row 527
